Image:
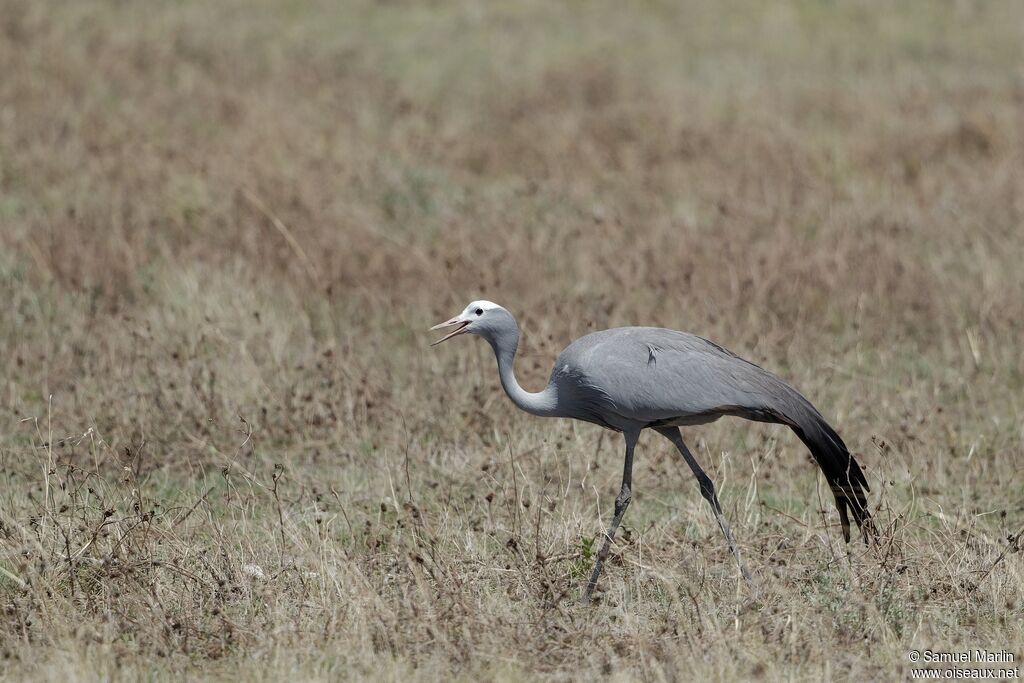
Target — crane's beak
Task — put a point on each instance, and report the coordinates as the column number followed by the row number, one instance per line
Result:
column 461, row 329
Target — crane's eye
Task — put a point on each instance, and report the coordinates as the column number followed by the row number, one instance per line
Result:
column 479, row 311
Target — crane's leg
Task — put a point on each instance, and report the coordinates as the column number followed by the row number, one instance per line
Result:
column 707, row 489
column 621, row 503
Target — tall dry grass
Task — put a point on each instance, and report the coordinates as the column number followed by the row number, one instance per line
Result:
column 227, row 451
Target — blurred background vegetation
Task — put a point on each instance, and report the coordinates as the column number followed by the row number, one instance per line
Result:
column 224, row 227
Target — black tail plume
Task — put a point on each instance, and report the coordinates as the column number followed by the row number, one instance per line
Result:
column 785, row 405
column 841, row 470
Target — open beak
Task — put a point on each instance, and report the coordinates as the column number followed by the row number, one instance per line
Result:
column 461, row 329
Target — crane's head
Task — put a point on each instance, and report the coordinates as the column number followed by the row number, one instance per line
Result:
column 485, row 318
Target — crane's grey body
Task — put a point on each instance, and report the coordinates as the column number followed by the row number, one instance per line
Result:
column 636, row 377
column 633, row 378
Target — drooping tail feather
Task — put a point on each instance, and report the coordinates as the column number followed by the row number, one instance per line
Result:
column 842, row 471
column 844, row 475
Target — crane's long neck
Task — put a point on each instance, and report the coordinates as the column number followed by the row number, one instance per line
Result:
column 543, row 403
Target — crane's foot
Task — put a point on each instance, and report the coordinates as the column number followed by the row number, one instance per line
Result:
column 727, row 532
column 594, row 575
column 621, row 503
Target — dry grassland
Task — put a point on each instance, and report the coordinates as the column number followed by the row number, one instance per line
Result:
column 227, row 451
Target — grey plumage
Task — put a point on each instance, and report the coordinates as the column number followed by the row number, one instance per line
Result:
column 640, row 377
column 633, row 378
